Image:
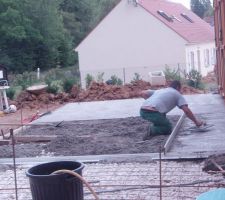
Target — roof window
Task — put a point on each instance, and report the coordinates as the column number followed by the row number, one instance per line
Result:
column 186, row 17
column 174, row 17
column 164, row 15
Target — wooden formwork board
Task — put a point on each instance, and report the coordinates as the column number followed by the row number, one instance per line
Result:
column 169, row 141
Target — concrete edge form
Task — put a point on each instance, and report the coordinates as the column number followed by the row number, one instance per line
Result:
column 142, row 157
column 170, row 139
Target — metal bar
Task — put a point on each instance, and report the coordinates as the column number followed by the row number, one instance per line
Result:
column 160, row 172
column 1, row 102
column 173, row 134
column 14, row 162
column 5, row 99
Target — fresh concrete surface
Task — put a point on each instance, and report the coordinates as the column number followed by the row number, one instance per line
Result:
column 133, row 174
column 210, row 142
column 207, row 107
column 112, row 109
column 95, row 110
column 211, row 109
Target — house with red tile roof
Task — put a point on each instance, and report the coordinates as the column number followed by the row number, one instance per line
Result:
column 141, row 36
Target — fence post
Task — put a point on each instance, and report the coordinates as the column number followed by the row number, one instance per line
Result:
column 38, row 73
column 124, row 76
column 178, row 65
column 14, row 161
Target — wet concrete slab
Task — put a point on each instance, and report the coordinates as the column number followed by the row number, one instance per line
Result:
column 190, row 141
column 112, row 109
column 95, row 110
column 207, row 107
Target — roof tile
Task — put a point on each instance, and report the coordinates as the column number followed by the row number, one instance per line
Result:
column 197, row 32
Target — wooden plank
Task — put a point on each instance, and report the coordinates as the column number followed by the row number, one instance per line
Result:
column 4, row 142
column 34, row 138
column 173, row 134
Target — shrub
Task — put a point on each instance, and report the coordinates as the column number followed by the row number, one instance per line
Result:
column 53, row 76
column 194, row 79
column 68, row 84
column 52, row 89
column 137, row 77
column 89, row 78
column 54, row 86
column 171, row 74
column 24, row 80
column 100, row 77
column 10, row 93
column 114, row 80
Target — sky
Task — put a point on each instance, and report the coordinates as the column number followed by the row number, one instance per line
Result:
column 184, row 2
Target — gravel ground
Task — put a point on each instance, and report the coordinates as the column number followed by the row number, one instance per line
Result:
column 94, row 137
column 130, row 181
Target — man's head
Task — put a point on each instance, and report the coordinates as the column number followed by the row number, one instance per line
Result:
column 176, row 85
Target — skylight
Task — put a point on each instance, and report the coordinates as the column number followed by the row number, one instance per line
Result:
column 164, row 15
column 174, row 17
column 186, row 17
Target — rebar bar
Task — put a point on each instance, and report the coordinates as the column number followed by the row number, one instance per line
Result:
column 14, row 161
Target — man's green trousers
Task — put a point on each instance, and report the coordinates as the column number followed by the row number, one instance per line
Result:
column 160, row 124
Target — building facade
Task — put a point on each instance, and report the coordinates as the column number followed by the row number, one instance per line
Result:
column 138, row 37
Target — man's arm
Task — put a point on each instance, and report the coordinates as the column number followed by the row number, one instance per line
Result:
column 190, row 115
column 146, row 93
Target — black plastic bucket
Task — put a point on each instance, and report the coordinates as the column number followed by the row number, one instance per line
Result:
column 47, row 186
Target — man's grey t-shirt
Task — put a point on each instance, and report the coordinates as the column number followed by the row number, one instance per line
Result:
column 164, row 100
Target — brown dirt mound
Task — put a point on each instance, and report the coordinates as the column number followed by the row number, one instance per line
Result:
column 209, row 78
column 96, row 92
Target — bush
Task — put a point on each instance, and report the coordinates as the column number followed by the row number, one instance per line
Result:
column 54, row 87
column 54, row 78
column 171, row 74
column 24, row 80
column 100, row 77
column 194, row 79
column 54, row 74
column 89, row 78
column 114, row 80
column 10, row 93
column 137, row 77
column 68, row 84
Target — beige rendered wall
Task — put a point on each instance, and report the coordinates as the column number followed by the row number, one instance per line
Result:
column 129, row 40
column 200, row 61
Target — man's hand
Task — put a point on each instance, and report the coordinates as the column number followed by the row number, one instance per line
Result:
column 199, row 123
column 191, row 116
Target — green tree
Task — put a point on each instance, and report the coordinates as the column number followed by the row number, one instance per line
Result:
column 32, row 34
column 201, row 8
column 43, row 33
column 81, row 16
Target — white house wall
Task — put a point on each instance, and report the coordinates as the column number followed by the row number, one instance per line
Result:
column 129, row 40
column 204, row 64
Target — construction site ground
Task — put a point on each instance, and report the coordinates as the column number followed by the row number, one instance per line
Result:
column 127, row 181
column 125, row 174
column 114, row 127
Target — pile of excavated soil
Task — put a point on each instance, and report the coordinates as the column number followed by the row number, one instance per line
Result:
column 96, row 92
column 114, row 136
